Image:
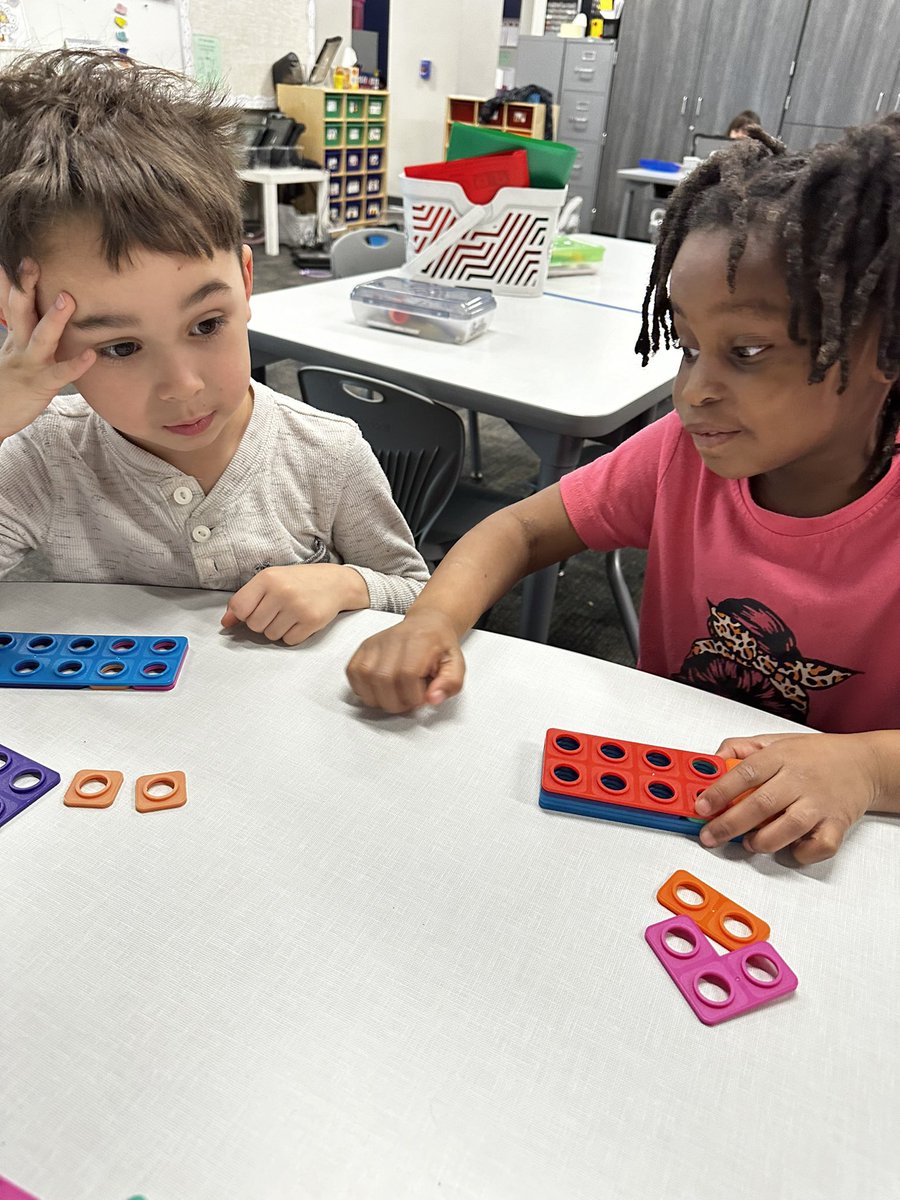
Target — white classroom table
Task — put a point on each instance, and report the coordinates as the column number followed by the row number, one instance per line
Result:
column 636, row 177
column 559, row 367
column 270, row 179
column 361, row 962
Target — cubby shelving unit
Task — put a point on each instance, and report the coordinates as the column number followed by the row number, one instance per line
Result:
column 347, row 132
column 528, row 120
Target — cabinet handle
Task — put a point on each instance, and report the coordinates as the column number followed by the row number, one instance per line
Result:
column 699, row 106
column 584, row 70
column 684, row 101
column 579, row 120
column 880, row 98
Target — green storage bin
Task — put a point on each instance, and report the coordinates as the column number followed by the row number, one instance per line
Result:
column 333, row 134
column 334, row 106
column 355, row 106
column 355, row 133
column 376, row 106
column 375, row 134
column 549, row 163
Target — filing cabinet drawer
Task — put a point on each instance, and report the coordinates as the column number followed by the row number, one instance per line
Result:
column 587, row 66
column 581, row 117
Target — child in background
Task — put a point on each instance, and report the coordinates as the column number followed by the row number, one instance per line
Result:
column 769, row 500
column 742, row 122
column 121, row 269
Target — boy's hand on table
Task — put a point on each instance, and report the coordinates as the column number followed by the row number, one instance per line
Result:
column 289, row 604
column 808, row 790
column 418, row 661
column 30, row 374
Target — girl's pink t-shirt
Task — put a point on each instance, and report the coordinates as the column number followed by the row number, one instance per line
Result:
column 796, row 615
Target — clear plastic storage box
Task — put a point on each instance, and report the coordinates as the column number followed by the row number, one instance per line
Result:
column 437, row 311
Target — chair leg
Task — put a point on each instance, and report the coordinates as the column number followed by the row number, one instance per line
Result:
column 475, row 446
column 623, row 600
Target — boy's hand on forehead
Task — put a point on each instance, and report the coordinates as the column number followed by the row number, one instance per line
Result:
column 290, row 604
column 30, row 373
column 808, row 790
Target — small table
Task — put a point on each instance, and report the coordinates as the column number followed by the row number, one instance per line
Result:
column 636, row 177
column 362, row 962
column 269, row 179
column 559, row 367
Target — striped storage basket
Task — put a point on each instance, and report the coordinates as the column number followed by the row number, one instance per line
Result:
column 503, row 246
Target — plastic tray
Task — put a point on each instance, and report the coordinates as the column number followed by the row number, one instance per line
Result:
column 428, row 310
column 90, row 660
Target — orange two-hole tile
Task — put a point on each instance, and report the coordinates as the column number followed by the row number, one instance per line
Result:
column 656, row 778
column 712, row 911
column 93, row 789
column 173, row 795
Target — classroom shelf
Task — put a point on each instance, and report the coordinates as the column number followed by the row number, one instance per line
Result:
column 528, row 120
column 347, row 132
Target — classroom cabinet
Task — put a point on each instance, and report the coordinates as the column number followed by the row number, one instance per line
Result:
column 749, row 49
column 847, row 69
column 579, row 74
column 691, row 73
column 651, row 99
column 347, row 132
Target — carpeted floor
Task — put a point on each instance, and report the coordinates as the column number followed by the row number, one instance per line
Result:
column 584, row 617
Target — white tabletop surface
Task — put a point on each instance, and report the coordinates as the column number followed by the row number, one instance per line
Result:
column 361, row 963
column 546, row 361
column 282, row 174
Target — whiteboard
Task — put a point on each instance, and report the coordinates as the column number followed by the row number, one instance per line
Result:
column 155, row 31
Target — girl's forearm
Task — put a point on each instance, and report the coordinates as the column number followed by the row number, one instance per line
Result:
column 495, row 555
column 885, row 745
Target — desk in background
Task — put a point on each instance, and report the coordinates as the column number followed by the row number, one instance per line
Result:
column 270, row 179
column 636, row 177
column 559, row 367
column 362, row 962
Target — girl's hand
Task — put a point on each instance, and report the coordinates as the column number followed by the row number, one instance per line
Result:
column 30, row 375
column 415, row 662
column 290, row 604
column 808, row 790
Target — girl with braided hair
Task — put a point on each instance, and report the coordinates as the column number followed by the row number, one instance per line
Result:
column 768, row 501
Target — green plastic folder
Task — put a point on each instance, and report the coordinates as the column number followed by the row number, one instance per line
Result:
column 549, row 163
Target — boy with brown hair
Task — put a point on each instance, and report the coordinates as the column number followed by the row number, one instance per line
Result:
column 122, row 270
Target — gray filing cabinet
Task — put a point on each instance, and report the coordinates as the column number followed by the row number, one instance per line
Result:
column 578, row 71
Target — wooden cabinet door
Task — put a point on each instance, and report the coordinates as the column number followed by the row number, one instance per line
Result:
column 746, row 61
column 659, row 50
column 847, row 64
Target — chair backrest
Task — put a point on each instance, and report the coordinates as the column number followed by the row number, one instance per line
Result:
column 570, row 217
column 364, row 250
column 419, row 443
column 704, row 144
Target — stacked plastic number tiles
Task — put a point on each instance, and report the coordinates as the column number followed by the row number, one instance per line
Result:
column 716, row 986
column 65, row 660
column 631, row 782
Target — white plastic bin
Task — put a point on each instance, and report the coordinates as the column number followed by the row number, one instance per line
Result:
column 503, row 246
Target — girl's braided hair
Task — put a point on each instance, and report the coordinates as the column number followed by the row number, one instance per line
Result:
column 835, row 213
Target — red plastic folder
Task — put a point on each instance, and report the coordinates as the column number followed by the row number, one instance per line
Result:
column 480, row 178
